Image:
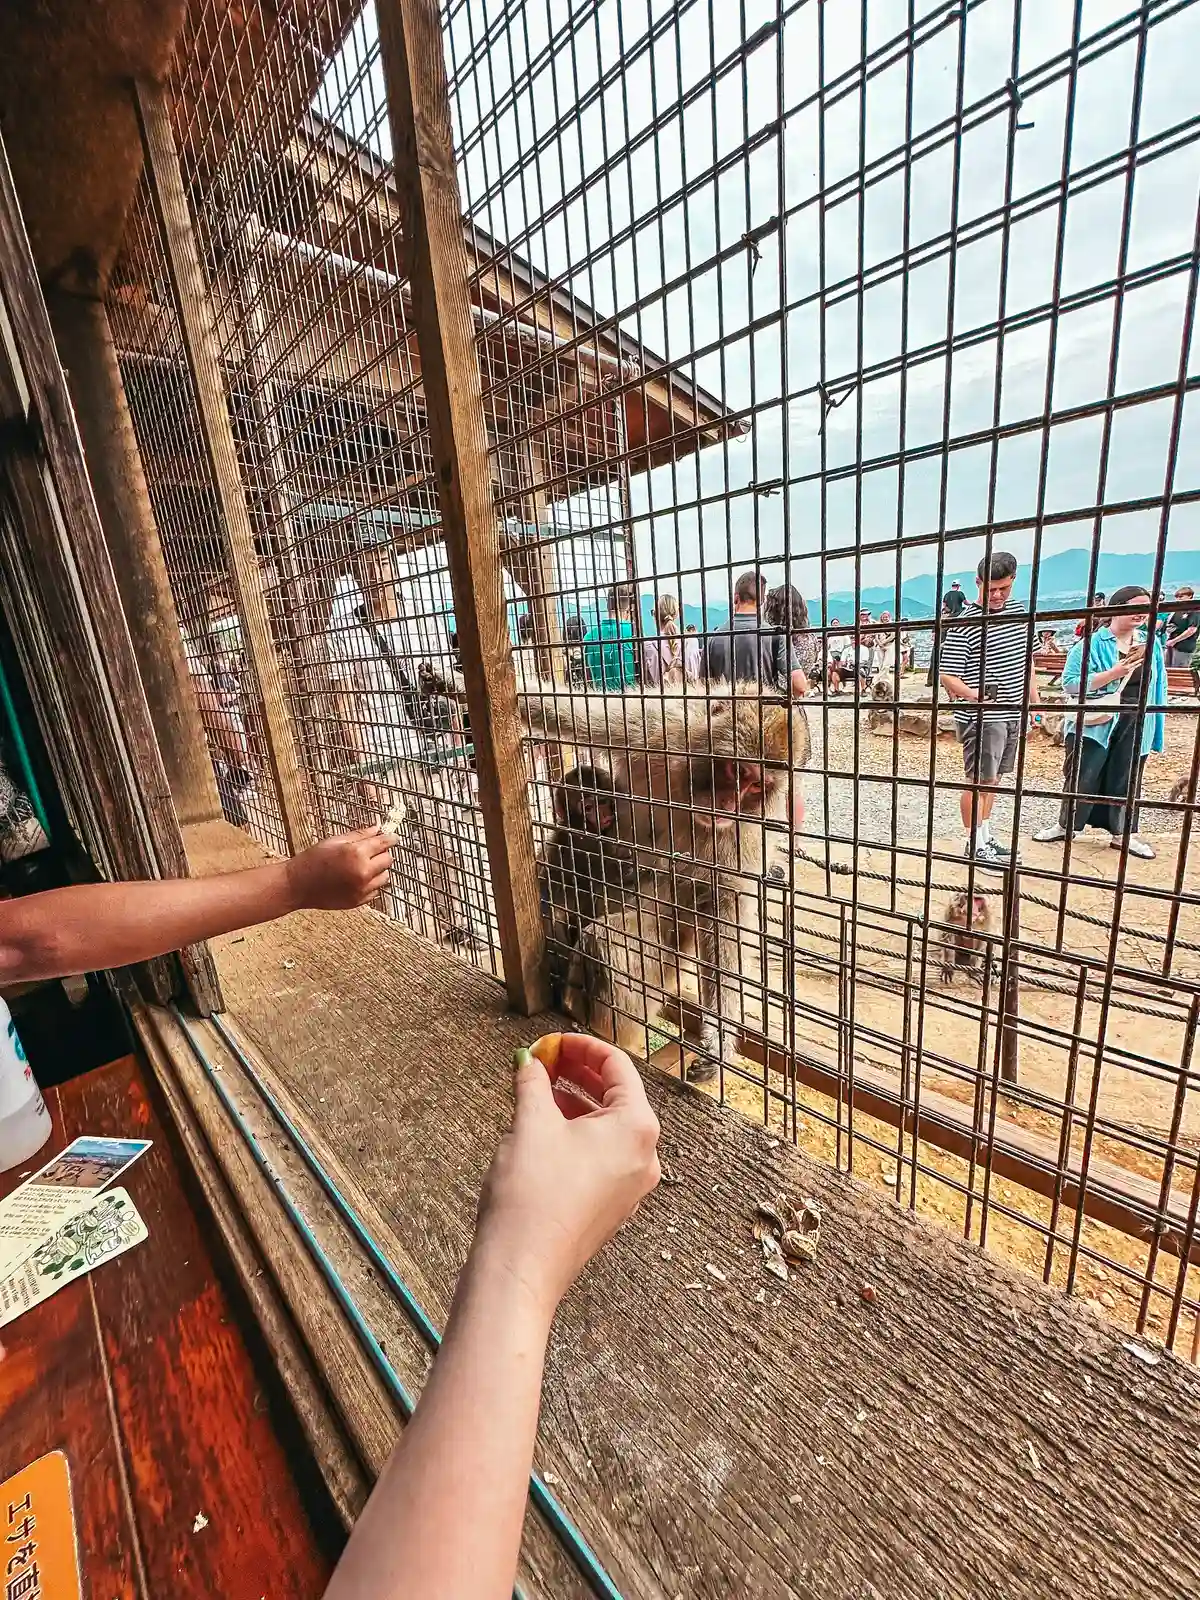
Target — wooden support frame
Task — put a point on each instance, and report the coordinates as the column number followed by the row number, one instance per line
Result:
column 114, row 463
column 62, row 601
column 411, row 48
column 194, row 306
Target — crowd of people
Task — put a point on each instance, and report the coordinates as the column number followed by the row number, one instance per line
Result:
column 984, row 662
column 769, row 640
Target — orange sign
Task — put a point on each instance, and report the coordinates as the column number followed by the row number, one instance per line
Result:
column 38, row 1555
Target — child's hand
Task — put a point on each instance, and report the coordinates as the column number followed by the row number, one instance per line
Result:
column 341, row 872
column 559, row 1188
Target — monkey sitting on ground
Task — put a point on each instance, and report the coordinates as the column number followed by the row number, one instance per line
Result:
column 1181, row 790
column 586, row 866
column 884, row 717
column 963, row 949
column 701, row 779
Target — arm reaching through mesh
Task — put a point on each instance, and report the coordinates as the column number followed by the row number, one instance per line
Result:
column 446, row 1514
column 91, row 926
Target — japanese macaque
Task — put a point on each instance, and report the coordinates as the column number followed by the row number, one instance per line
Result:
column 885, row 717
column 700, row 779
column 968, row 917
column 587, row 864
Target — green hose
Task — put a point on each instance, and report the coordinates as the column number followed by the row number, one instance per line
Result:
column 23, row 761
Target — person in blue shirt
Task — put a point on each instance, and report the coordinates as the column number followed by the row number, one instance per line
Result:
column 1114, row 743
column 608, row 647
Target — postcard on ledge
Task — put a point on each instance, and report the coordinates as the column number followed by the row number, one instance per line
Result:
column 108, row 1227
column 63, row 1188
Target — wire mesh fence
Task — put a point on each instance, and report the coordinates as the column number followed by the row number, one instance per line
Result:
column 839, row 389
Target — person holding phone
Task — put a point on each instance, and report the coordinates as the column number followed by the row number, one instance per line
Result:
column 986, row 666
column 1108, row 746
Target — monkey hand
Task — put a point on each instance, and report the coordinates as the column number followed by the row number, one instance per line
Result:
column 559, row 1187
column 341, row 872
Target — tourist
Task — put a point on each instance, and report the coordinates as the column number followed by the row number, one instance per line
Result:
column 796, row 648
column 445, row 1518
column 88, row 927
column 1103, row 762
column 1182, row 629
column 887, row 651
column 608, row 647
column 954, row 601
column 741, row 651
column 672, row 659
column 1086, row 623
column 836, row 648
column 985, row 664
column 573, row 636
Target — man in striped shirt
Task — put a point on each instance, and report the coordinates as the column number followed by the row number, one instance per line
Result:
column 986, row 666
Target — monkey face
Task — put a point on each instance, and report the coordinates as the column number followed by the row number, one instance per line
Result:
column 756, row 746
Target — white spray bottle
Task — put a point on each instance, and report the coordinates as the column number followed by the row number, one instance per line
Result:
column 24, row 1121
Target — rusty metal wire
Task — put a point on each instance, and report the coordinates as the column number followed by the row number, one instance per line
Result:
column 853, row 298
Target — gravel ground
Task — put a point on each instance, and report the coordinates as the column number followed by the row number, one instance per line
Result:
column 864, row 778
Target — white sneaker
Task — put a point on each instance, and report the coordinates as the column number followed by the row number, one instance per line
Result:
column 1137, row 847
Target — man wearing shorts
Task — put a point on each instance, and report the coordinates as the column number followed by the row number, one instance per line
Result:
column 986, row 666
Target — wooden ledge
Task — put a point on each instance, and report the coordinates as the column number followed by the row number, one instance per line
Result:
column 712, row 1431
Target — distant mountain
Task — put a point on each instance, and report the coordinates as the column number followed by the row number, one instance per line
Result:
column 1062, row 577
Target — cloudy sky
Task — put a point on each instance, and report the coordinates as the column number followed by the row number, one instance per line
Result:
column 653, row 122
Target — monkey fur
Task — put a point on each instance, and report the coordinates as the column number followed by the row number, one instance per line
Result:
column 969, row 917
column 1181, row 790
column 587, row 864
column 700, row 777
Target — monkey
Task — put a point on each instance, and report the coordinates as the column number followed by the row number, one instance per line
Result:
column 969, row 916
column 885, row 717
column 701, row 778
column 586, row 865
column 1181, row 791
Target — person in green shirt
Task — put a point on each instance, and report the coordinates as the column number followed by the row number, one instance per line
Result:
column 608, row 647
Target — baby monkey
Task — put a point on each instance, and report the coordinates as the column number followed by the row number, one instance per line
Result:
column 969, row 916
column 587, row 865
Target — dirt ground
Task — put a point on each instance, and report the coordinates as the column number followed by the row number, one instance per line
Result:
column 1148, row 1093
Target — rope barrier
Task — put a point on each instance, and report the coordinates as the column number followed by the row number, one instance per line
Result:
column 841, row 869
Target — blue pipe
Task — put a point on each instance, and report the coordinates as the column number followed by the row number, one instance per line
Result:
column 569, row 1536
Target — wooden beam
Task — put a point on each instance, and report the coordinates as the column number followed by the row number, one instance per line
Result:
column 114, row 463
column 411, row 48
column 65, row 613
column 194, row 306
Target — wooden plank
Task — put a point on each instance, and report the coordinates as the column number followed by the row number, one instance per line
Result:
column 1113, row 1195
column 196, row 319
column 193, row 1412
column 66, row 615
column 114, row 464
column 732, row 1435
column 411, row 48
column 340, row 1467
column 53, row 1396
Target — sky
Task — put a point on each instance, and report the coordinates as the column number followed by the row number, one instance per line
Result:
column 756, row 337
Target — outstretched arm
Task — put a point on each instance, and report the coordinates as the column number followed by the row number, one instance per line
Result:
column 94, row 925
column 559, row 1187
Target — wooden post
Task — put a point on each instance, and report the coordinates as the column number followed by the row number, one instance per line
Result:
column 194, row 305
column 114, row 462
column 411, row 49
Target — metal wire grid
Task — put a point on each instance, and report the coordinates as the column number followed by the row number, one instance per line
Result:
column 159, row 389
column 939, row 264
